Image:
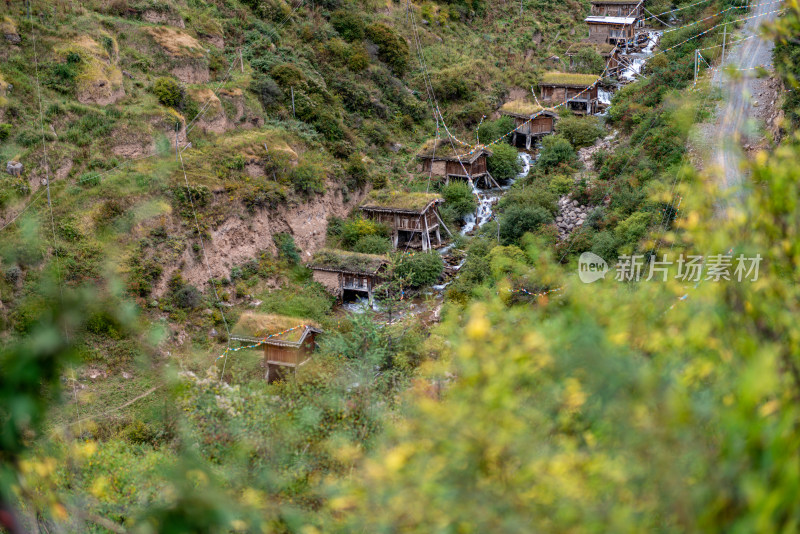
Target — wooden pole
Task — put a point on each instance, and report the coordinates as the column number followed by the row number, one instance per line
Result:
column 293, row 115
column 722, row 61
column 695, row 67
column 442, row 223
column 177, row 125
column 241, row 61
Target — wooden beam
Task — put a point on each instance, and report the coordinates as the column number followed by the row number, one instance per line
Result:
column 442, row 223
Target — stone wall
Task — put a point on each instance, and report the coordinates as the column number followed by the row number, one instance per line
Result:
column 330, row 280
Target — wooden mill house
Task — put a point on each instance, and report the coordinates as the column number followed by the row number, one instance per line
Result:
column 613, row 30
column 345, row 274
column 579, row 89
column 618, row 8
column 609, row 52
column 412, row 217
column 288, row 342
column 531, row 122
column 440, row 158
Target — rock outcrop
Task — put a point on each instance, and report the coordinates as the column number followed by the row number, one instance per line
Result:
column 14, row 168
column 571, row 216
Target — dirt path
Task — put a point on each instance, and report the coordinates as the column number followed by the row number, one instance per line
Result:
column 731, row 127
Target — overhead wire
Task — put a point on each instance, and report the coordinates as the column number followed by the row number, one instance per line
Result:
column 211, row 280
column 46, row 166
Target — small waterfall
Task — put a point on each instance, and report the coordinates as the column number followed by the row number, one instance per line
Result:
column 638, row 59
column 604, row 96
column 487, row 199
column 360, row 305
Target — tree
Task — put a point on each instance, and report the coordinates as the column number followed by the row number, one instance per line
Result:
column 556, row 150
column 579, row 131
column 459, row 200
column 420, row 269
column 518, row 219
column 392, row 49
column 588, row 61
column 168, row 92
column 504, row 162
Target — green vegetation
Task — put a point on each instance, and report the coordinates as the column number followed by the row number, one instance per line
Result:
column 459, row 201
column 567, row 79
column 340, row 260
column 524, row 397
column 418, row 270
column 579, row 131
column 399, row 200
column 504, row 162
column 168, row 92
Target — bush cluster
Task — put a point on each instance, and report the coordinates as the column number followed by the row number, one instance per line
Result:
column 392, row 49
column 420, row 269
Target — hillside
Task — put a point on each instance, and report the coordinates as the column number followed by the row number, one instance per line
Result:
column 220, row 312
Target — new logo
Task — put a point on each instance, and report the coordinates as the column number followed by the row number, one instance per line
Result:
column 591, row 267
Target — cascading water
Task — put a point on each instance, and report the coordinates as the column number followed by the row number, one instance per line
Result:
column 637, row 60
column 487, row 199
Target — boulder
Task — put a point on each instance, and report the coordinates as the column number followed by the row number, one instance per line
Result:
column 14, row 168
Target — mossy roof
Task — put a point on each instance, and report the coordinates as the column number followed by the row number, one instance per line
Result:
column 261, row 325
column 627, row 2
column 568, row 79
column 523, row 108
column 343, row 260
column 600, row 48
column 399, row 200
column 445, row 150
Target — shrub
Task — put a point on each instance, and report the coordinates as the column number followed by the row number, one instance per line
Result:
column 561, row 184
column 349, row 24
column 604, row 244
column 359, row 58
column 287, row 249
column 392, row 49
column 188, row 297
column 61, row 76
column 519, row 219
column 267, row 90
column 504, row 163
column 268, row 195
column 288, row 75
column 555, row 151
column 200, row 196
column 354, row 229
column 420, row 269
column 5, row 131
column 459, row 199
column 579, row 131
column 310, row 300
column 489, row 131
column 357, row 169
column 308, row 178
column 168, row 92
column 373, row 244
column 588, row 61
column 632, row 229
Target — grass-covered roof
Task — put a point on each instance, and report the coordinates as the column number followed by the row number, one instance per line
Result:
column 626, row 2
column 444, row 149
column 343, row 260
column 523, row 107
column 600, row 48
column 568, row 79
column 399, row 200
column 260, row 325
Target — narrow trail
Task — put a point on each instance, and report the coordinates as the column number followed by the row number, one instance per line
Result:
column 731, row 125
